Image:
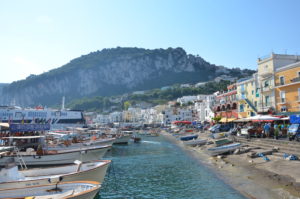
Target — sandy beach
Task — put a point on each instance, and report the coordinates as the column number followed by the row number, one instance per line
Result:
column 254, row 178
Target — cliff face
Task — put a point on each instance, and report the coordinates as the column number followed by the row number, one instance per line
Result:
column 111, row 72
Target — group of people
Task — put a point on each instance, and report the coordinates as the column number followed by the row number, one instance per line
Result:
column 268, row 129
column 275, row 130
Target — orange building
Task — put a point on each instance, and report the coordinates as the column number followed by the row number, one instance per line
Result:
column 287, row 89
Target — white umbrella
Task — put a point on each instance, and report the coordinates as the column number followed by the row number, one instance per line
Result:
column 263, row 118
column 285, row 118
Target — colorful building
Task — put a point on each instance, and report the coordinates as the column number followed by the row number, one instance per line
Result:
column 226, row 104
column 266, row 72
column 287, row 89
column 247, row 96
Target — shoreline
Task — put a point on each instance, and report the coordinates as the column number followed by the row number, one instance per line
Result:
column 247, row 179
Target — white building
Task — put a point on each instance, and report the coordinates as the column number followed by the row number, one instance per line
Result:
column 186, row 99
column 102, row 119
column 116, row 117
column 170, row 115
column 204, row 107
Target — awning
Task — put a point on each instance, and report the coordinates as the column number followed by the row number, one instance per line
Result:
column 242, row 120
column 182, row 122
column 6, row 125
column 224, row 119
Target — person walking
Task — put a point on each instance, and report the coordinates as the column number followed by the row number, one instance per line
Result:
column 267, row 129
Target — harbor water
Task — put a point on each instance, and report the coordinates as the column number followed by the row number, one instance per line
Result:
column 157, row 168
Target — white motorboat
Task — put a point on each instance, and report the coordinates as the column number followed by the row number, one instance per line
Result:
column 223, row 149
column 56, row 157
column 197, row 142
column 92, row 171
column 70, row 190
column 123, row 139
column 96, row 142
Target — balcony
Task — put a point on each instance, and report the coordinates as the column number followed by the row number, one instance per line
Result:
column 266, row 74
column 268, row 88
column 265, row 107
column 294, row 80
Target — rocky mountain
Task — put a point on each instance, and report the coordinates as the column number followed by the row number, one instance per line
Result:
column 112, row 72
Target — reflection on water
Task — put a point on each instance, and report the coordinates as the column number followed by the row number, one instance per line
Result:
column 156, row 168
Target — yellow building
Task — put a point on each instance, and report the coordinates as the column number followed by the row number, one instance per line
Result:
column 287, row 88
column 248, row 96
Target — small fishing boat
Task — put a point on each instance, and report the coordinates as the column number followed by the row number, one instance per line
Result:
column 188, row 137
column 223, row 149
column 55, row 157
column 221, row 142
column 70, row 190
column 11, row 177
column 123, row 139
column 218, row 135
column 197, row 142
column 96, row 142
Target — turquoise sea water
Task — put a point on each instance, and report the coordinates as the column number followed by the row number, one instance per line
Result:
column 157, row 168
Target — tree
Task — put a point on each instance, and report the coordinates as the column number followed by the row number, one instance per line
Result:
column 126, row 105
column 217, row 118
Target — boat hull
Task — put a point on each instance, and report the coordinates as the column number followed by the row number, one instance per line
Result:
column 35, row 177
column 98, row 142
column 67, row 157
column 189, row 137
column 196, row 142
column 122, row 140
column 74, row 190
column 223, row 149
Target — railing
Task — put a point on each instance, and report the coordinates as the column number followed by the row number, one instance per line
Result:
column 266, row 74
column 267, row 88
column 264, row 57
column 263, row 106
column 297, row 79
column 251, row 105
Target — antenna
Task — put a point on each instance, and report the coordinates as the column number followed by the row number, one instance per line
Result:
column 63, row 103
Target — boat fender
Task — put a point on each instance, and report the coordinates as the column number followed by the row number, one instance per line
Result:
column 36, row 157
column 59, row 179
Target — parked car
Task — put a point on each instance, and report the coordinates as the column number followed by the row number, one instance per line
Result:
column 213, row 127
column 294, row 132
column 221, row 128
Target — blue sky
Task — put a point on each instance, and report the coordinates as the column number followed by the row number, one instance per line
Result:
column 36, row 36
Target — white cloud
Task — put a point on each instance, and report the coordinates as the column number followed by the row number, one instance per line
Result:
column 44, row 19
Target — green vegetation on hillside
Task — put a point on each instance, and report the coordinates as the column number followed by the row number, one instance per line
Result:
column 153, row 97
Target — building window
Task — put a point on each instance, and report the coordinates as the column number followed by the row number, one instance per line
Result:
column 267, row 99
column 255, row 103
column 298, row 73
column 281, row 80
column 298, row 94
column 241, row 108
column 282, row 96
column 252, row 92
column 266, row 83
